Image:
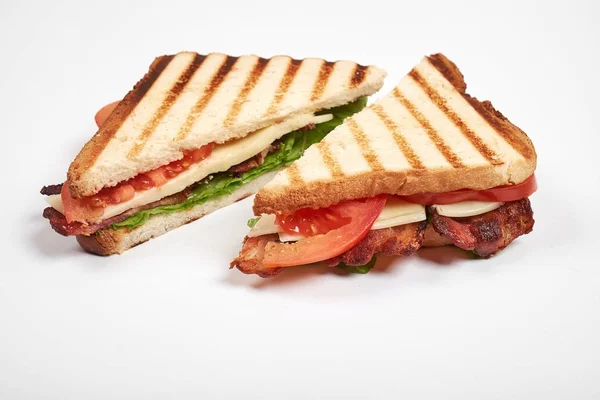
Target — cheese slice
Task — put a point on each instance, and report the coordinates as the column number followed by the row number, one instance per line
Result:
column 223, row 157
column 396, row 212
column 264, row 226
column 466, row 208
column 55, row 202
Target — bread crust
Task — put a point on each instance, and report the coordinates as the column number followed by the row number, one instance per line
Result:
column 512, row 133
column 319, row 193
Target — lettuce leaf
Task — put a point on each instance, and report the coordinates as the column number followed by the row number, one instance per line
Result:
column 360, row 269
column 291, row 148
column 252, row 222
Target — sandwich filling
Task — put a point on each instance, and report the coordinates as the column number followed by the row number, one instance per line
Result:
column 202, row 174
column 350, row 234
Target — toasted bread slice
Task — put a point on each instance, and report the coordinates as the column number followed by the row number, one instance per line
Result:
column 427, row 135
column 188, row 100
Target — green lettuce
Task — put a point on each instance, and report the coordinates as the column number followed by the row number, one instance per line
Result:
column 291, row 148
column 252, row 222
column 473, row 254
column 361, row 269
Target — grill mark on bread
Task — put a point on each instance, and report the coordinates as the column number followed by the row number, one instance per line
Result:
column 443, row 148
column 249, row 85
column 493, row 117
column 164, row 108
column 209, row 92
column 442, row 104
column 405, row 147
column 449, row 70
column 294, row 175
column 358, row 76
column 284, row 84
column 364, row 145
column 503, row 127
column 328, row 159
column 322, row 78
column 98, row 143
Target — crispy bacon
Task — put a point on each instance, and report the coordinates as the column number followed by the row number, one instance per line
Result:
column 60, row 224
column 488, row 233
column 401, row 240
column 252, row 254
column 51, row 189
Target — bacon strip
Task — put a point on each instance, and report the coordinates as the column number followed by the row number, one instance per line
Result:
column 488, row 233
column 60, row 224
column 252, row 254
column 51, row 189
column 396, row 241
column 401, row 240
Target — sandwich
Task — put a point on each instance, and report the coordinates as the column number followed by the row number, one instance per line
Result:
column 197, row 133
column 427, row 165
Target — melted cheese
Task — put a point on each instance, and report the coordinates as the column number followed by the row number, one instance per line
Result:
column 223, row 157
column 466, row 208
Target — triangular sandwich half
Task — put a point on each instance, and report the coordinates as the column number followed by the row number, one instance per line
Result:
column 197, row 133
column 426, row 151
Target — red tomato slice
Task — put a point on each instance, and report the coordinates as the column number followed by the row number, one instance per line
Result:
column 200, row 154
column 158, row 176
column 119, row 194
column 141, row 182
column 309, row 222
column 362, row 215
column 499, row 194
column 104, row 112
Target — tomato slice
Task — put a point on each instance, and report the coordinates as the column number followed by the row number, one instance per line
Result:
column 104, row 112
column 141, row 182
column 157, row 176
column 498, row 194
column 200, row 154
column 119, row 194
column 309, row 222
column 362, row 215
column 161, row 175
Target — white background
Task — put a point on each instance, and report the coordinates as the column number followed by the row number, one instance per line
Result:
column 168, row 320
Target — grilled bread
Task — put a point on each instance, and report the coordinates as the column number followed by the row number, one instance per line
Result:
column 188, row 100
column 427, row 135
